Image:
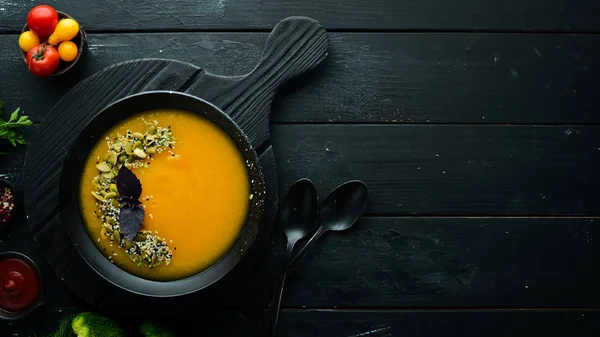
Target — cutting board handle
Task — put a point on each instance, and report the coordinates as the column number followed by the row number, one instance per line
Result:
column 296, row 45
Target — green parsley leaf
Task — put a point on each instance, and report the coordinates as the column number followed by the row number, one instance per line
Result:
column 15, row 122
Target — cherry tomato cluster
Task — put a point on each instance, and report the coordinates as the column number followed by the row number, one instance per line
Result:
column 48, row 40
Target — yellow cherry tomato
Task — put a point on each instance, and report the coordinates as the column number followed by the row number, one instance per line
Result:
column 67, row 51
column 28, row 40
column 66, row 30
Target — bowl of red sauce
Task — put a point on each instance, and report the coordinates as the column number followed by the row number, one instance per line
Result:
column 20, row 286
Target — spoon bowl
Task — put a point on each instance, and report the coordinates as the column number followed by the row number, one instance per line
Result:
column 342, row 208
column 298, row 211
column 339, row 211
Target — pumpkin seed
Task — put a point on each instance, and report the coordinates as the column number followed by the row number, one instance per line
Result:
column 103, row 167
column 151, row 149
column 137, row 144
column 128, row 148
column 151, row 129
column 97, row 196
column 108, row 175
column 110, row 195
column 117, row 147
column 128, row 165
column 113, row 188
column 122, row 158
column 138, row 135
column 112, row 158
column 139, row 153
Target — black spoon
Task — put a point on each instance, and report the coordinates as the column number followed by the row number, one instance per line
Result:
column 338, row 212
column 296, row 217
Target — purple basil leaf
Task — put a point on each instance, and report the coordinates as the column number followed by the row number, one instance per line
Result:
column 131, row 218
column 128, row 185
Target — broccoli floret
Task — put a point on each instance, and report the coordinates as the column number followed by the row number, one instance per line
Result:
column 64, row 329
column 88, row 324
column 149, row 329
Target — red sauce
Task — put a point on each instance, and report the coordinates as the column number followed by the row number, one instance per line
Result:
column 19, row 285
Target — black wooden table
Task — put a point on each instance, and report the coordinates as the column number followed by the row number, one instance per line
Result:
column 474, row 124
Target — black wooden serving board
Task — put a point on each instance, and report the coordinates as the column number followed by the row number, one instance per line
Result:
column 296, row 45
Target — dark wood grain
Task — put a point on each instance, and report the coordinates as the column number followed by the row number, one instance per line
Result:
column 370, row 78
column 533, row 171
column 449, row 169
column 416, row 262
column 452, row 263
column 557, row 323
column 372, row 323
column 115, row 15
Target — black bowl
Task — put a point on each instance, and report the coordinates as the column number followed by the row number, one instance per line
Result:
column 72, row 172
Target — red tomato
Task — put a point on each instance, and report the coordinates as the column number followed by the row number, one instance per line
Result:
column 42, row 60
column 42, row 20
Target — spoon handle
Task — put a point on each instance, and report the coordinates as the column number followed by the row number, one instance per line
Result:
column 302, row 251
column 277, row 309
column 275, row 305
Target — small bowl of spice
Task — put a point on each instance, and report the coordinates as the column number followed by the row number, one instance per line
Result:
column 7, row 203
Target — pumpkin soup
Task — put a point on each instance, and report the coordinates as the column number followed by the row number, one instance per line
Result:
column 192, row 202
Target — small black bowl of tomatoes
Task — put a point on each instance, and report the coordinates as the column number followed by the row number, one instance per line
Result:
column 51, row 42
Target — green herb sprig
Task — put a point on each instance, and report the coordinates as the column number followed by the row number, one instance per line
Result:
column 7, row 131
